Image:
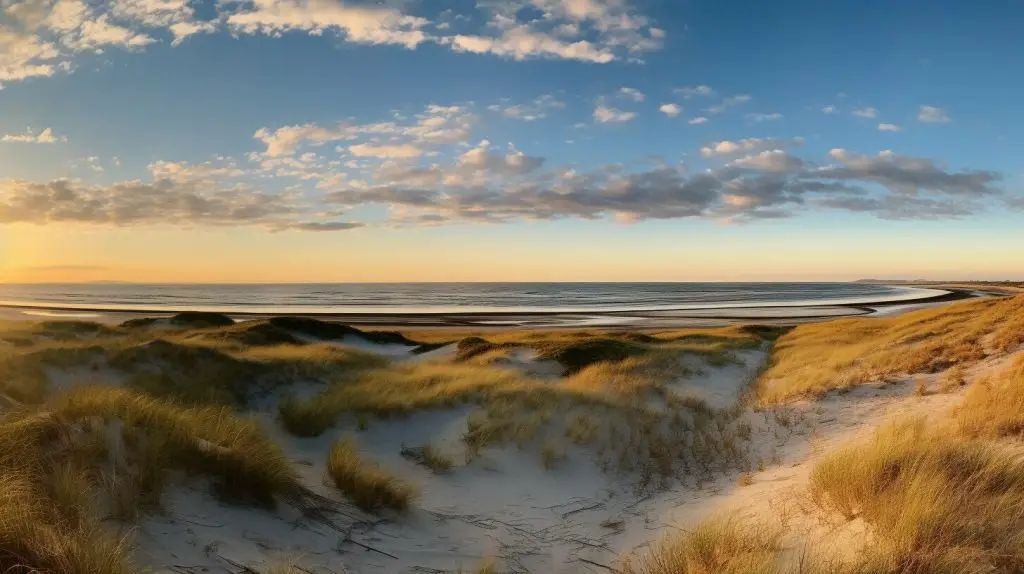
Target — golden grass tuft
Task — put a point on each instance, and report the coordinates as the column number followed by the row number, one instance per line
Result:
column 407, row 387
column 246, row 465
column 936, row 501
column 721, row 546
column 364, row 483
column 436, row 460
column 994, row 408
column 47, row 522
column 816, row 358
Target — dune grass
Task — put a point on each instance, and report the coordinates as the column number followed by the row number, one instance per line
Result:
column 188, row 365
column 994, row 407
column 814, row 359
column 367, row 485
column 603, row 369
column 48, row 522
column 653, row 444
column 436, row 460
column 214, row 441
column 718, row 546
column 936, row 501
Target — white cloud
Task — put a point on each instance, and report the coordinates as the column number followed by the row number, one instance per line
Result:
column 671, row 110
column 727, row 103
column 764, row 117
column 285, row 141
column 403, row 151
column 766, row 185
column 44, row 137
column 436, row 125
column 536, row 110
column 597, row 31
column 828, row 109
column 160, row 202
column 698, row 120
column 42, row 37
column 771, row 161
column 514, row 162
column 889, row 127
column 689, row 92
column 522, row 43
column 24, row 55
column 182, row 30
column 362, row 24
column 606, row 114
column 933, row 115
column 39, row 38
column 747, row 146
column 81, row 27
column 865, row 113
column 632, row 94
column 183, row 172
column 175, row 15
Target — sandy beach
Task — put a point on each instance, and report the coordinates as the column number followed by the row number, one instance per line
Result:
column 782, row 314
column 440, row 450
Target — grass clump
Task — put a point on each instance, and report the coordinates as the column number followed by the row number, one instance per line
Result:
column 581, row 429
column 367, row 485
column 245, row 334
column 436, row 460
column 48, row 522
column 575, row 355
column 994, row 408
column 954, row 378
column 471, row 347
column 429, row 456
column 936, row 502
column 245, row 464
column 185, row 372
column 305, row 418
column 720, row 546
column 403, row 388
column 330, row 330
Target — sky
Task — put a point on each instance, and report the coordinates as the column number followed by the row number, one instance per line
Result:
column 510, row 140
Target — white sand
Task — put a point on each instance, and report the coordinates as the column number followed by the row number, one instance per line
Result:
column 504, row 503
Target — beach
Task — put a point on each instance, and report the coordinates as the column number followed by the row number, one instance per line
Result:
column 458, row 310
column 295, row 444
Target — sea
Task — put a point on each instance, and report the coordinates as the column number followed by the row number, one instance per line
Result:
column 441, row 298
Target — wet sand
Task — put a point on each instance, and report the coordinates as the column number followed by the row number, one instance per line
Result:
column 774, row 315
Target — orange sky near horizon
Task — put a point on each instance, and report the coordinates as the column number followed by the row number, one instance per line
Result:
column 211, row 255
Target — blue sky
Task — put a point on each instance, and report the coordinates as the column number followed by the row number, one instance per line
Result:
column 387, row 127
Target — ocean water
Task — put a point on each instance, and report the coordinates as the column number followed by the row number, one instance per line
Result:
column 402, row 298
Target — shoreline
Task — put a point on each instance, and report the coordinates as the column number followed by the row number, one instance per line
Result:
column 658, row 318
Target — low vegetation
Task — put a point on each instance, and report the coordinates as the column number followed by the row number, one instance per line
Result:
column 814, row 359
column 720, row 546
column 936, row 502
column 367, row 485
column 48, row 520
column 235, row 452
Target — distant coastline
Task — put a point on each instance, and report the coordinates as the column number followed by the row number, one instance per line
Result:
column 655, row 315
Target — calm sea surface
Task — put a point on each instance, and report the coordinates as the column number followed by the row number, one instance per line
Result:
column 447, row 297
